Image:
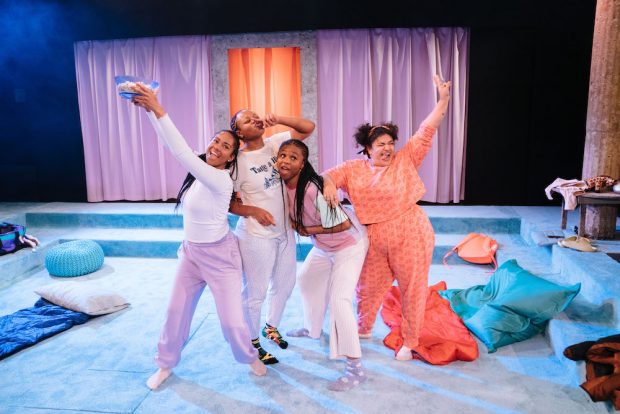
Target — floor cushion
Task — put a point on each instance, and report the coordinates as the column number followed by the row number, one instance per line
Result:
column 74, row 258
column 514, row 305
column 83, row 296
column 443, row 338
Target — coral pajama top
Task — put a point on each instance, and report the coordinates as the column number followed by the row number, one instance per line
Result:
column 384, row 193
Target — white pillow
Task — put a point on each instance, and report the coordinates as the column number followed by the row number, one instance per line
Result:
column 82, row 297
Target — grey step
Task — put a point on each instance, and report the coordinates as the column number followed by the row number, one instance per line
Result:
column 458, row 225
column 164, row 243
column 572, row 327
column 598, row 274
column 15, row 266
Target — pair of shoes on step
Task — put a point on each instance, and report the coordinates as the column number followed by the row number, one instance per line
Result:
column 578, row 243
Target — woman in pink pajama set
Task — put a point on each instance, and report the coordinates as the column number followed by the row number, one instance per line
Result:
column 385, row 190
column 209, row 254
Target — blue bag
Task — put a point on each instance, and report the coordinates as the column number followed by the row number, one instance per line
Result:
column 10, row 238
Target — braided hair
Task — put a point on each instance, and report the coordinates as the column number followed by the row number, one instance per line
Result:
column 307, row 175
column 233, row 120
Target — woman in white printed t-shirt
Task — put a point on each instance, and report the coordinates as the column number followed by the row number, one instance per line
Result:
column 266, row 242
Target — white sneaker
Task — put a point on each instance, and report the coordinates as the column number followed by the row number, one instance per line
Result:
column 404, row 354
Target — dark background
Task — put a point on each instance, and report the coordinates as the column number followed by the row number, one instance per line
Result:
column 529, row 74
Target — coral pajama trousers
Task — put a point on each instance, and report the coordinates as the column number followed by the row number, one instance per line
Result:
column 217, row 265
column 269, row 269
column 330, row 278
column 400, row 249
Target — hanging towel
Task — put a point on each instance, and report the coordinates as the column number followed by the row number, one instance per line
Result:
column 569, row 189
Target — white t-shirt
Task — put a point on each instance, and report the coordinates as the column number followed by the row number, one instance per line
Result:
column 258, row 184
column 206, row 201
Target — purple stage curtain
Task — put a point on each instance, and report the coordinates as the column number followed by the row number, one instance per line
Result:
column 123, row 157
column 376, row 75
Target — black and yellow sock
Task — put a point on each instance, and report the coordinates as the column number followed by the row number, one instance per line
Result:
column 263, row 355
column 271, row 332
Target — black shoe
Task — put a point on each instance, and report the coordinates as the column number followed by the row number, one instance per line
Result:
column 263, row 355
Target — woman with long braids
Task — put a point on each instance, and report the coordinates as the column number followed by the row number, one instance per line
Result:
column 209, row 254
column 266, row 242
column 331, row 269
column 385, row 190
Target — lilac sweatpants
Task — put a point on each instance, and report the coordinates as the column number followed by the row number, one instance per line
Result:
column 217, row 265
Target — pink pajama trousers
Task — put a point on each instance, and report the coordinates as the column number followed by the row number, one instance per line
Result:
column 217, row 265
column 400, row 249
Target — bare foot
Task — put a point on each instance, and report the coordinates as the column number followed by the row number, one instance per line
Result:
column 258, row 368
column 158, row 378
column 301, row 332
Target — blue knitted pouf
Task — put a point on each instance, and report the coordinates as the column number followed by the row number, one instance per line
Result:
column 74, row 258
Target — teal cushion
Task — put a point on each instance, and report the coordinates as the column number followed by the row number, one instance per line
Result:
column 74, row 258
column 514, row 305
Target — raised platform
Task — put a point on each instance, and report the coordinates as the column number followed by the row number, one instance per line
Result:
column 153, row 231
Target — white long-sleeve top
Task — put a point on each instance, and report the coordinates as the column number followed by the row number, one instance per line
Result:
column 206, row 201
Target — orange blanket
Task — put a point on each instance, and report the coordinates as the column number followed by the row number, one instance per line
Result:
column 443, row 339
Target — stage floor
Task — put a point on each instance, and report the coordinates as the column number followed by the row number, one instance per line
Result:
column 102, row 365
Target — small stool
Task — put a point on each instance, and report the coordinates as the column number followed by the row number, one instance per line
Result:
column 74, row 258
column 607, row 198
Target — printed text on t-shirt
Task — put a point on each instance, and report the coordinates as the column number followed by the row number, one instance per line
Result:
column 272, row 180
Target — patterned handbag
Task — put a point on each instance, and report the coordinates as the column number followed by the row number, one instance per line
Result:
column 10, row 238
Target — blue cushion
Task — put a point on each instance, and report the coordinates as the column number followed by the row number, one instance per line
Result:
column 74, row 258
column 514, row 305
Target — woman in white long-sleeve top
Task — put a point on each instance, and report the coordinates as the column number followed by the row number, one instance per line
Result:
column 209, row 254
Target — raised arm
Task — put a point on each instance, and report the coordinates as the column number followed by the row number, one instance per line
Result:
column 420, row 143
column 170, row 136
column 439, row 112
column 302, row 128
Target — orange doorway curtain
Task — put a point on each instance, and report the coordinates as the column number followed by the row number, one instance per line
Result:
column 265, row 80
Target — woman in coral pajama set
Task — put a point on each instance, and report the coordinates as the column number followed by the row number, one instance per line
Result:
column 384, row 190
